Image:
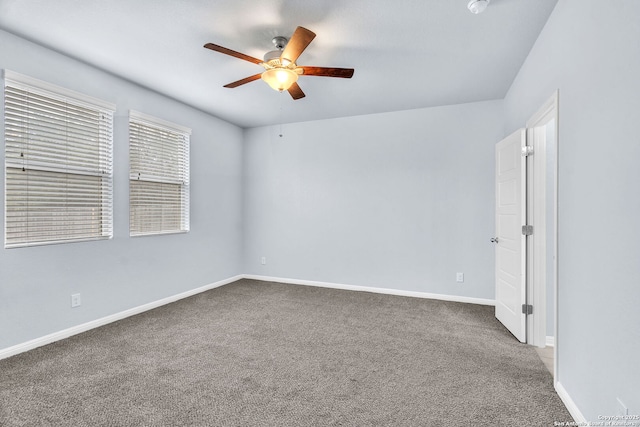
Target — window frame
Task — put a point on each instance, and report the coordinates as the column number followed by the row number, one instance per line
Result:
column 139, row 174
column 47, row 162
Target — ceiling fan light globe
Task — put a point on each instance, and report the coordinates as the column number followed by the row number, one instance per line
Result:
column 280, row 78
column 478, row 6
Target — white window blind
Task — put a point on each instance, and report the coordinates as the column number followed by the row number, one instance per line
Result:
column 58, row 164
column 159, row 176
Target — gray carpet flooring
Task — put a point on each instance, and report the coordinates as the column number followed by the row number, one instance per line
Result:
column 269, row 354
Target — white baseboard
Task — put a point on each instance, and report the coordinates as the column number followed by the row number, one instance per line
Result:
column 550, row 341
column 571, row 406
column 387, row 291
column 66, row 333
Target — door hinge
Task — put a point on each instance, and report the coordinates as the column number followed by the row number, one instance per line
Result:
column 527, row 309
column 527, row 230
column 527, row 150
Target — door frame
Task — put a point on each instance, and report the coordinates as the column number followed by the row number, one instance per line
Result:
column 536, row 215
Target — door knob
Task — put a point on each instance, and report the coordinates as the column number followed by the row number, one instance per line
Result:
column 494, row 240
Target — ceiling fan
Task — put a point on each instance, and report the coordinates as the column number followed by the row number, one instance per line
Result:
column 280, row 69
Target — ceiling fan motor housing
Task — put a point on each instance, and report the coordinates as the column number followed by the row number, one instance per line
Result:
column 273, row 58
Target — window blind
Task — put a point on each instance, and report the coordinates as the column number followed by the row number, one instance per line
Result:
column 159, row 176
column 58, row 164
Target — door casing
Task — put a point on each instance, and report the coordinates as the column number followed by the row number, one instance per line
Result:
column 538, row 200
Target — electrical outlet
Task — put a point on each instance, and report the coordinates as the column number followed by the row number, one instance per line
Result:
column 459, row 277
column 263, row 260
column 75, row 300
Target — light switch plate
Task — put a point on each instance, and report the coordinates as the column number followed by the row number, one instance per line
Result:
column 75, row 300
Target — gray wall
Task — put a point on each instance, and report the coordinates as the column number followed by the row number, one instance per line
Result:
column 114, row 275
column 590, row 51
column 400, row 200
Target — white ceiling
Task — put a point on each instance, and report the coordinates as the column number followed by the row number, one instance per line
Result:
column 406, row 53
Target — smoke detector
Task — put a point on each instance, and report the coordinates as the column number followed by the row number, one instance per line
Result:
column 478, row 6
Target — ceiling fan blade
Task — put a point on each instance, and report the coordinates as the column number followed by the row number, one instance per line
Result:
column 233, row 53
column 297, row 44
column 243, row 81
column 295, row 91
column 345, row 73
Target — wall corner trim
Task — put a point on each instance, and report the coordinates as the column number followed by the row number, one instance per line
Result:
column 398, row 292
column 74, row 330
column 571, row 405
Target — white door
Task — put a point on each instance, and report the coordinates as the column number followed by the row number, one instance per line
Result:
column 509, row 241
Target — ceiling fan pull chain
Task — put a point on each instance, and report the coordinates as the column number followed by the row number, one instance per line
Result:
column 281, row 115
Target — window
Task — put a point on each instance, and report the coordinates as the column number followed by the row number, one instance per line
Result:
column 159, row 176
column 58, row 164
